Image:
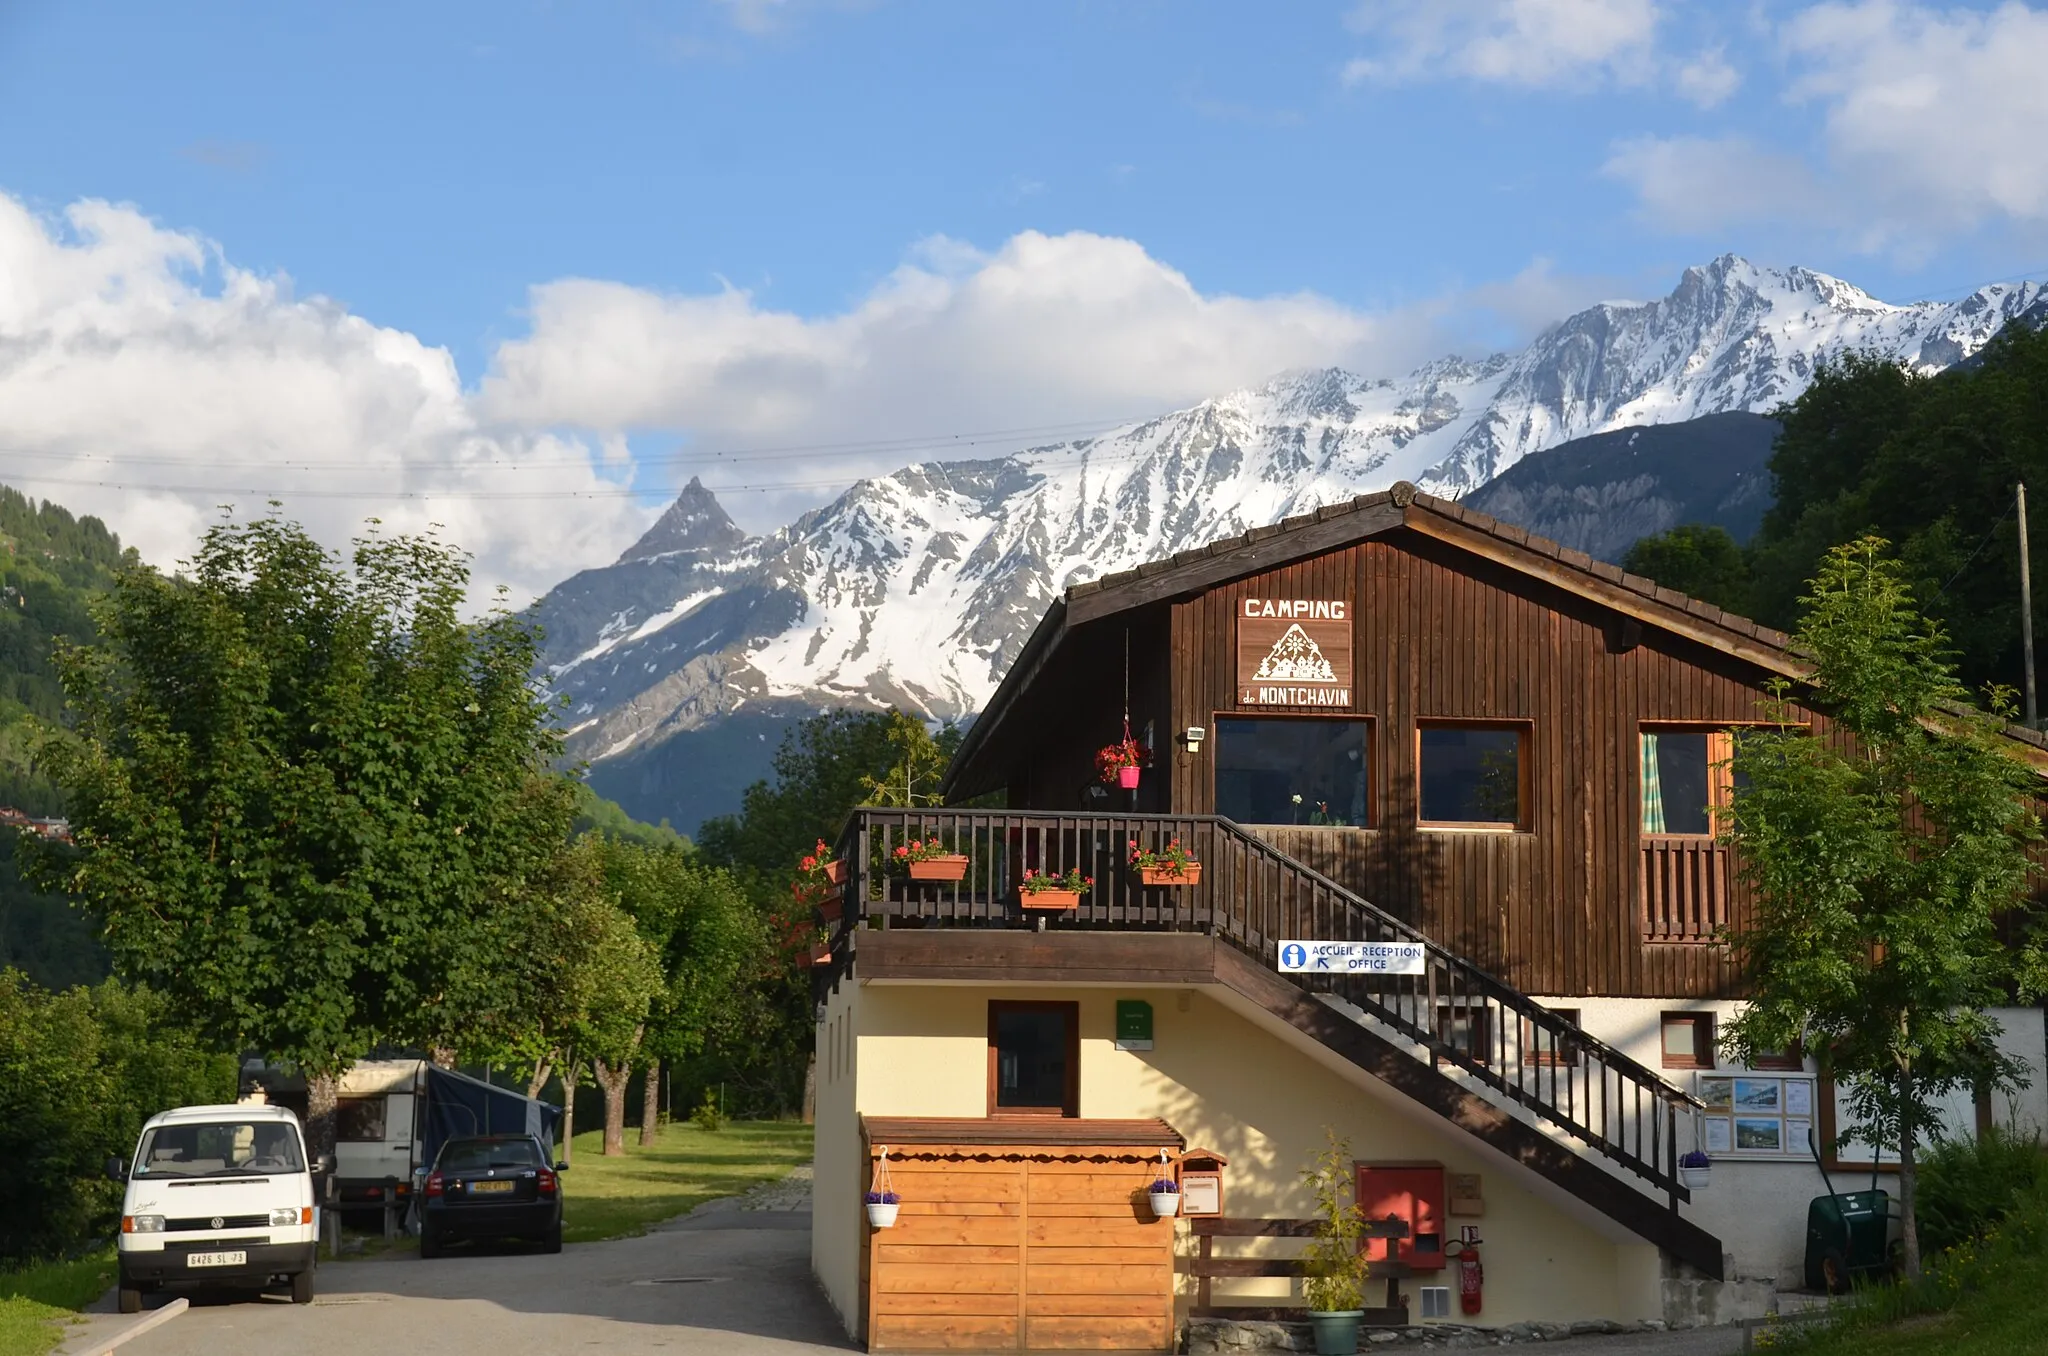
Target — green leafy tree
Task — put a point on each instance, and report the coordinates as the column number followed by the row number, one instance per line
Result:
column 1700, row 560
column 80, row 1070
column 707, row 939
column 1882, row 862
column 304, row 790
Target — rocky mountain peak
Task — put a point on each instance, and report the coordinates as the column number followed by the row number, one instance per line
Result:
column 696, row 521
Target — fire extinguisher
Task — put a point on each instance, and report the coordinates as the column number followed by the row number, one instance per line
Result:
column 1471, row 1275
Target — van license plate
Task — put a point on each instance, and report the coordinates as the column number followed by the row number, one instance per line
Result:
column 486, row 1188
column 216, row 1259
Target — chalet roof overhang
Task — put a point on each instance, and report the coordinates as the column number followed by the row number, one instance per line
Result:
column 975, row 770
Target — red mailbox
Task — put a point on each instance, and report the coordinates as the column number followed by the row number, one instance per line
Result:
column 1414, row 1194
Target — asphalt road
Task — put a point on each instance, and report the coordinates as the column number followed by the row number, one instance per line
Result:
column 726, row 1281
column 723, row 1280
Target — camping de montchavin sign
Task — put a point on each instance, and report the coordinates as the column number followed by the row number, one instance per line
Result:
column 1294, row 652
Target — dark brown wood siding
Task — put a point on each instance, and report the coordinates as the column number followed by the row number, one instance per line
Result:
column 1439, row 634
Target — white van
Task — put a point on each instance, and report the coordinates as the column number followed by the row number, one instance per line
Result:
column 217, row 1195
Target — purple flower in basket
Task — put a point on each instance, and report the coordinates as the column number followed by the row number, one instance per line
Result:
column 1696, row 1159
column 1165, row 1186
column 884, row 1198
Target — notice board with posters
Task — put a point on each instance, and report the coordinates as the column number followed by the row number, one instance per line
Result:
column 1294, row 652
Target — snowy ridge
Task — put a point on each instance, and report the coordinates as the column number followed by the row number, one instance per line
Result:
column 917, row 588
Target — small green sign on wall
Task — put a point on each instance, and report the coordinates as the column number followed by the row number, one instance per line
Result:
column 1133, row 1024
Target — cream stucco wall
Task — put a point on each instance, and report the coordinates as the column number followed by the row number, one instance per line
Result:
column 1228, row 1084
column 1758, row 1208
column 837, row 1218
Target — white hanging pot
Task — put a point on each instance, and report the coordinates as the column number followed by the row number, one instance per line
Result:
column 1165, row 1204
column 1695, row 1179
column 882, row 1214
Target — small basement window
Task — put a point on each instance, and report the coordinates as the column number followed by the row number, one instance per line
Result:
column 1034, row 1059
column 1543, row 1046
column 1293, row 770
column 1688, row 1040
column 1473, row 776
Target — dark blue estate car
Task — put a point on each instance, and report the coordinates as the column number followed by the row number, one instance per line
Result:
column 492, row 1186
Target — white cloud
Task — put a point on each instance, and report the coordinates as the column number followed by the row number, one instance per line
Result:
column 1708, row 183
column 1044, row 330
column 1533, row 43
column 1707, row 80
column 1930, row 123
column 146, row 379
column 133, row 356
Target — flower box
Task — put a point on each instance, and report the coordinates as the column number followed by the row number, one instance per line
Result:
column 1049, row 899
column 1191, row 874
column 949, row 868
column 835, row 872
column 829, row 909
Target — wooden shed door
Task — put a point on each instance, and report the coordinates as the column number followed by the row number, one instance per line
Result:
column 1021, row 1252
column 1098, row 1269
column 949, row 1276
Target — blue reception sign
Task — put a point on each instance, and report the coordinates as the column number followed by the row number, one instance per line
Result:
column 1352, row 958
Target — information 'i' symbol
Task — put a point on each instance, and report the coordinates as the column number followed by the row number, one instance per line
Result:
column 1294, row 954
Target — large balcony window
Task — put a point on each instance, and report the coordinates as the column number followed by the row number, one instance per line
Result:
column 1293, row 770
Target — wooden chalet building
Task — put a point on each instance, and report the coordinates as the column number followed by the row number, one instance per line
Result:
column 1393, row 721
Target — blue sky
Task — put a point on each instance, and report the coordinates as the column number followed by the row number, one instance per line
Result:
column 770, row 202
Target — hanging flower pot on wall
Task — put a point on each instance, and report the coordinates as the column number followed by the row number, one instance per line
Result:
column 1165, row 1197
column 882, row 1208
column 1120, row 762
column 929, row 861
column 1127, row 777
column 1040, row 891
column 1695, row 1170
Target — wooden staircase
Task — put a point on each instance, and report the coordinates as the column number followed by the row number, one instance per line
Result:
column 1470, row 1047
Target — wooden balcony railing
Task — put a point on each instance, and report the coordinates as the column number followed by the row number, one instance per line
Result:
column 1253, row 897
column 1685, row 887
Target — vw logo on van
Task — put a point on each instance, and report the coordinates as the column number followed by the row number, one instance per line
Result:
column 218, row 1221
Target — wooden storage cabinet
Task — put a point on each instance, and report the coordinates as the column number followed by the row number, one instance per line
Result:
column 1020, row 1236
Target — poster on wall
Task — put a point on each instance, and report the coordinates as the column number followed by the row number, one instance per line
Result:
column 1754, row 1115
column 1294, row 652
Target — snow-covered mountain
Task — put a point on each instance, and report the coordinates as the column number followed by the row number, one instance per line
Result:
column 917, row 588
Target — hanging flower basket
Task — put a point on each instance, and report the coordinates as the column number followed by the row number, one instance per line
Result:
column 1695, row 1171
column 882, row 1200
column 1120, row 762
column 1165, row 1197
column 1039, row 891
column 930, row 861
column 1171, row 865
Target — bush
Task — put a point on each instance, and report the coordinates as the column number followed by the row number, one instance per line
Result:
column 1968, row 1185
column 79, row 1073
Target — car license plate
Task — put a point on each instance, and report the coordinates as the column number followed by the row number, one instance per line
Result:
column 488, row 1188
column 216, row 1259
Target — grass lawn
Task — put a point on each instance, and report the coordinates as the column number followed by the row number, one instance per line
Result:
column 32, row 1298
column 617, row 1197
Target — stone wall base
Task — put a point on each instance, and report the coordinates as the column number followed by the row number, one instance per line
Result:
column 1220, row 1336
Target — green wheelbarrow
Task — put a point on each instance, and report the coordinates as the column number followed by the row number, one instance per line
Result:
column 1850, row 1236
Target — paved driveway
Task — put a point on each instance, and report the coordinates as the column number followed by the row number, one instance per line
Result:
column 718, row 1281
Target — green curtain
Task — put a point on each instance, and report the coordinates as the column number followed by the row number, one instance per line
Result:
column 1653, row 788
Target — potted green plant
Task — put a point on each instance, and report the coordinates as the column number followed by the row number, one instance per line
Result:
column 928, row 860
column 1120, row 762
column 1336, row 1265
column 1164, row 1193
column 1038, row 890
column 1170, row 865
